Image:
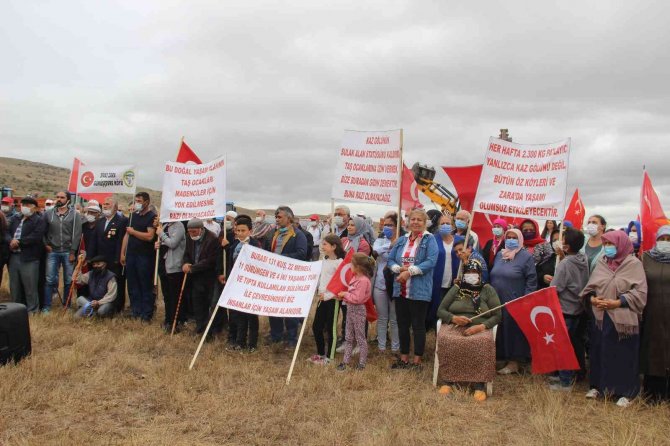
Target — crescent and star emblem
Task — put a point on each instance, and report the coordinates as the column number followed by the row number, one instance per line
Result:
column 548, row 337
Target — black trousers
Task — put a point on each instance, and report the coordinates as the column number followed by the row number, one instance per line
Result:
column 657, row 388
column 120, row 302
column 171, row 286
column 247, row 324
column 411, row 313
column 323, row 322
column 201, row 286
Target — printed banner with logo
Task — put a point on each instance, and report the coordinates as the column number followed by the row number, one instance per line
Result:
column 193, row 191
column 111, row 179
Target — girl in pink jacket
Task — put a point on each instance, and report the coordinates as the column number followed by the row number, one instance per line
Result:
column 360, row 290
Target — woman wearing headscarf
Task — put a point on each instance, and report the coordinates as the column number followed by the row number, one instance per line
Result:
column 513, row 275
column 542, row 252
column 465, row 254
column 634, row 231
column 466, row 349
column 446, row 267
column 433, row 224
column 655, row 348
column 616, row 294
column 494, row 245
column 412, row 259
column 355, row 239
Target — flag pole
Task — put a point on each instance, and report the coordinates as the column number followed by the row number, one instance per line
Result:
column 499, row 307
column 335, row 317
column 400, row 175
column 158, row 250
column 295, row 353
column 204, row 335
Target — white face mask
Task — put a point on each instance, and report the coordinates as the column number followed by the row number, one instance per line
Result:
column 4, row 208
column 339, row 221
column 138, row 206
column 471, row 278
column 591, row 229
column 498, row 232
column 229, row 225
column 48, row 208
column 90, row 218
column 633, row 237
column 258, row 219
column 26, row 211
column 557, row 245
column 107, row 212
column 663, row 247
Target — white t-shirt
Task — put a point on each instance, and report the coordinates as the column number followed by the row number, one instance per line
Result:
column 446, row 277
column 328, row 268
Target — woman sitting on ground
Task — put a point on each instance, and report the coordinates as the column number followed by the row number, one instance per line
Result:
column 466, row 349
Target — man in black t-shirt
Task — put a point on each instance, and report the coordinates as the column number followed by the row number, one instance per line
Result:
column 137, row 255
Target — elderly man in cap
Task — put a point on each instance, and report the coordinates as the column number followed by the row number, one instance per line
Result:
column 101, row 284
column 202, row 250
column 92, row 213
column 62, row 242
column 8, row 207
column 261, row 227
column 288, row 242
column 26, row 247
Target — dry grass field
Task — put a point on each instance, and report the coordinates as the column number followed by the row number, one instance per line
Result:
column 122, row 382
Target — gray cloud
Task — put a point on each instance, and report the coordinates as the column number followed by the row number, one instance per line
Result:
column 274, row 86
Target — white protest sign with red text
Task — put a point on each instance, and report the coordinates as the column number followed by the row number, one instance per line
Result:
column 268, row 284
column 524, row 180
column 191, row 190
column 368, row 168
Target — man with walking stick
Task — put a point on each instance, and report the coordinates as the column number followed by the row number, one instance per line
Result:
column 202, row 250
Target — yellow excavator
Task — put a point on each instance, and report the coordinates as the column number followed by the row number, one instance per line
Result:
column 438, row 194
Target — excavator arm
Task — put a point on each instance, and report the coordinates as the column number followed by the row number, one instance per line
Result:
column 438, row 194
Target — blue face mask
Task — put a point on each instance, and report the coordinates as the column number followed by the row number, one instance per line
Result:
column 610, row 251
column 511, row 243
column 283, row 230
column 388, row 232
column 445, row 230
column 460, row 224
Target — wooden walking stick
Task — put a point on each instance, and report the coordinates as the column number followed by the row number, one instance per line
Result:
column 176, row 313
column 75, row 276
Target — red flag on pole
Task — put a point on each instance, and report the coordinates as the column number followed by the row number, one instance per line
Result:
column 409, row 195
column 340, row 282
column 540, row 318
column 74, row 180
column 186, row 154
column 652, row 216
column 466, row 181
column 575, row 212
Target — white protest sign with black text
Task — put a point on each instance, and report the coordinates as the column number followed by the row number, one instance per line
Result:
column 193, row 190
column 368, row 167
column 524, row 180
column 111, row 179
column 268, row 284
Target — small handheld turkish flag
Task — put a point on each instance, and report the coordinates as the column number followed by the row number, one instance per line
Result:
column 575, row 212
column 540, row 318
column 343, row 275
column 187, row 154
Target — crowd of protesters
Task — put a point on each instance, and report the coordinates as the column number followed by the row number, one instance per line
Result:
column 428, row 266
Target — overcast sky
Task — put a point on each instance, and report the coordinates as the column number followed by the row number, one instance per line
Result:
column 274, row 84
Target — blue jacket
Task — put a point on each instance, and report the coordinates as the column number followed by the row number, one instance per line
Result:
column 421, row 285
column 31, row 242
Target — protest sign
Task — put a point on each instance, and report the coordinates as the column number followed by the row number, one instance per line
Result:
column 524, row 180
column 193, row 190
column 269, row 284
column 369, row 167
column 107, row 179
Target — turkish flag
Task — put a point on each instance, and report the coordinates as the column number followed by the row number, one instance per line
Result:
column 540, row 318
column 186, row 154
column 652, row 216
column 340, row 282
column 72, row 184
column 409, row 195
column 466, row 182
column 575, row 212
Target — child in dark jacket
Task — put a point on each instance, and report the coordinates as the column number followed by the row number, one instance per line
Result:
column 359, row 292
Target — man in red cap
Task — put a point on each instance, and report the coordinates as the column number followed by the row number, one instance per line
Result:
column 8, row 207
column 315, row 229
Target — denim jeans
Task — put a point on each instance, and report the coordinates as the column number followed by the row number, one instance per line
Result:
column 54, row 261
column 277, row 329
column 139, row 276
column 385, row 317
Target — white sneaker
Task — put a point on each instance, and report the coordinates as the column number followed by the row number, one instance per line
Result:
column 340, row 349
column 592, row 394
column 560, row 387
column 355, row 351
column 624, row 402
column 554, row 379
